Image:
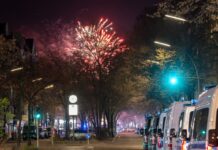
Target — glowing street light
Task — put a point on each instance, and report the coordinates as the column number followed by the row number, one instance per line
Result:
column 16, row 69
column 176, row 18
column 38, row 79
column 162, row 43
column 49, row 86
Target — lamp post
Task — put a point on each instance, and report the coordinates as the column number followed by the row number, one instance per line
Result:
column 192, row 61
column 38, row 116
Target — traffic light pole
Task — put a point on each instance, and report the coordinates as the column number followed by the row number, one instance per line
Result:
column 37, row 133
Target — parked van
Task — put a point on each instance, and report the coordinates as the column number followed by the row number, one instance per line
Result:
column 184, row 128
column 205, row 124
column 148, row 120
column 153, row 131
column 160, row 130
column 171, row 124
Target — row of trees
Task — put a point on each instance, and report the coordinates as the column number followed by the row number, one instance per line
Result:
column 87, row 60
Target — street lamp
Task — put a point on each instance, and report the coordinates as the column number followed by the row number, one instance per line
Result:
column 36, row 80
column 49, row 86
column 162, row 43
column 175, row 18
column 193, row 63
column 16, row 69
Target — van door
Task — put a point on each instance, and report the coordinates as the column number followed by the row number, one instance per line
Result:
column 199, row 130
column 213, row 135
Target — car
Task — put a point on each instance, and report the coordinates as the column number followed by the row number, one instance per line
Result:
column 81, row 134
column 43, row 133
column 32, row 133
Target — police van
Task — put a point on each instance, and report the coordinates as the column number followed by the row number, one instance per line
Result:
column 205, row 123
column 184, row 130
column 161, row 127
column 171, row 124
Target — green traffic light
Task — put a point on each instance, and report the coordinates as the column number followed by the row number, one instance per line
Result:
column 38, row 116
column 173, row 80
column 203, row 132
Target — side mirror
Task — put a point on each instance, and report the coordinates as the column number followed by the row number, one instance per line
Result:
column 184, row 134
column 173, row 132
column 213, row 138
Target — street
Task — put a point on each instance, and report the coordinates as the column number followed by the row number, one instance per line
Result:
column 123, row 141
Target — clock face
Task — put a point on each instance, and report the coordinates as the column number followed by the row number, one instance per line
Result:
column 73, row 99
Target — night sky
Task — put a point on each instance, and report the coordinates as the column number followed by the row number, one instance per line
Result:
column 33, row 12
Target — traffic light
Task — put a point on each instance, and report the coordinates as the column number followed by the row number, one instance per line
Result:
column 38, row 116
column 38, row 112
column 173, row 80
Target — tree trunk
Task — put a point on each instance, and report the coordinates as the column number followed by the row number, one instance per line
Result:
column 67, row 128
column 29, row 124
column 20, row 104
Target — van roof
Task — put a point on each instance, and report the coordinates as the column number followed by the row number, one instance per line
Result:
column 207, row 95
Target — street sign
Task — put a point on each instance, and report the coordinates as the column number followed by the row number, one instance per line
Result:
column 73, row 109
column 73, row 99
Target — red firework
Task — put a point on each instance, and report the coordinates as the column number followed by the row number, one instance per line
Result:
column 98, row 44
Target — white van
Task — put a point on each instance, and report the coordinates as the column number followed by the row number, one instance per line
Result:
column 184, row 130
column 205, row 123
column 161, row 127
column 171, row 123
column 153, row 131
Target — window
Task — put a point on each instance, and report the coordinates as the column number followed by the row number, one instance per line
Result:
column 163, row 123
column 156, row 122
column 200, row 124
column 181, row 123
column 217, row 120
column 190, row 124
column 190, row 120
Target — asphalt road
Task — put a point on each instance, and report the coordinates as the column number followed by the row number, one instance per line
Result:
column 123, row 141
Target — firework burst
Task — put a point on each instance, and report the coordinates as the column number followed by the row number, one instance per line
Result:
column 97, row 45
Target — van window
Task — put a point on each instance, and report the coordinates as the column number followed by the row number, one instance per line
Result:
column 217, row 119
column 181, row 123
column 190, row 124
column 163, row 123
column 200, row 124
column 156, row 121
column 166, row 124
column 190, row 120
column 148, row 124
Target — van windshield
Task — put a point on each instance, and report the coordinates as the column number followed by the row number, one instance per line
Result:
column 148, row 123
column 200, row 124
